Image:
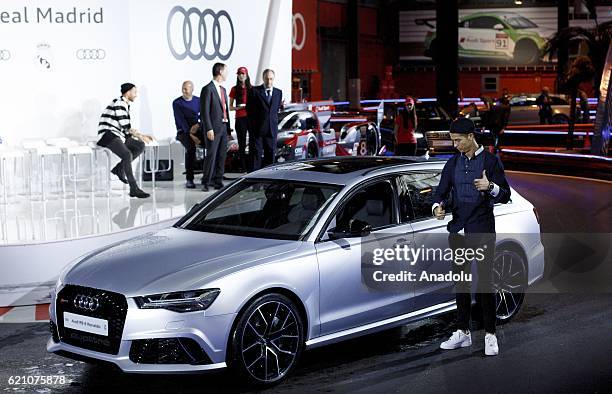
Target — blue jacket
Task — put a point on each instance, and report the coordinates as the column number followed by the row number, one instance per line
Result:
column 478, row 217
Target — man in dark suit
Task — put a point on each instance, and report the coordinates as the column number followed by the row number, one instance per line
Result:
column 262, row 109
column 472, row 182
column 214, row 111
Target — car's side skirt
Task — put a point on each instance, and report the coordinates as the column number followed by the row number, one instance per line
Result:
column 381, row 325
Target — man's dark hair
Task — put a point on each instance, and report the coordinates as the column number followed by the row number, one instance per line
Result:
column 267, row 71
column 217, row 68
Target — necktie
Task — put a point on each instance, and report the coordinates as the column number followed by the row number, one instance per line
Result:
column 268, row 95
column 223, row 106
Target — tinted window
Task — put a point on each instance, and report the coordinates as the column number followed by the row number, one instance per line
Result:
column 372, row 204
column 266, row 208
column 416, row 195
column 485, row 22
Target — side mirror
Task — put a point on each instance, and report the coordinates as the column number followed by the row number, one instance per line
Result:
column 357, row 228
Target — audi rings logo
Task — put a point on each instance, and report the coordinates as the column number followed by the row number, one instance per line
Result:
column 90, row 54
column 298, row 19
column 200, row 34
column 5, row 54
column 85, row 302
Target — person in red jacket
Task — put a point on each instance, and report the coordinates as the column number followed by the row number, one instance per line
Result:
column 405, row 127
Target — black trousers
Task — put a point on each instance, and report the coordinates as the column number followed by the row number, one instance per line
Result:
column 190, row 152
column 263, row 146
column 242, row 130
column 405, row 149
column 127, row 151
column 214, row 163
column 545, row 117
column 485, row 295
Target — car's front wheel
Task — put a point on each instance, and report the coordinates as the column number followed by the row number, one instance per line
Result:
column 267, row 340
column 510, row 283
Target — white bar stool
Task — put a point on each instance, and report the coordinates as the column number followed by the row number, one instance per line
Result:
column 41, row 151
column 71, row 151
column 16, row 156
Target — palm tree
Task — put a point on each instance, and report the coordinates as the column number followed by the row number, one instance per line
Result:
column 583, row 68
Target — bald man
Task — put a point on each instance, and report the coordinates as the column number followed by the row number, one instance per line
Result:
column 188, row 131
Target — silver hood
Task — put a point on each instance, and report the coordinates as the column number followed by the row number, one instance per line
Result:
column 172, row 260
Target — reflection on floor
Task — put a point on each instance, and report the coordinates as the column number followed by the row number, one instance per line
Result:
column 23, row 221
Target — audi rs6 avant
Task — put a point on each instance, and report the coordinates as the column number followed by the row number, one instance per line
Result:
column 269, row 266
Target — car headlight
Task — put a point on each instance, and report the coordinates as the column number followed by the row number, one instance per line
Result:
column 180, row 301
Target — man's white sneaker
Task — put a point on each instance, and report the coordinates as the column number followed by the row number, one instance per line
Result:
column 457, row 340
column 491, row 348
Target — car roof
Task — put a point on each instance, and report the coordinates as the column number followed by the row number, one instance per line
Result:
column 500, row 14
column 339, row 170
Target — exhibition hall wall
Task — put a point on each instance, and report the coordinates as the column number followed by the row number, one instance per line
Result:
column 62, row 61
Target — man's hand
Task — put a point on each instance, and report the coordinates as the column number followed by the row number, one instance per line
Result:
column 194, row 129
column 146, row 138
column 210, row 135
column 195, row 139
column 439, row 212
column 482, row 184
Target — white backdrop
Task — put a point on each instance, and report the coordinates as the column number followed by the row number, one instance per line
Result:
column 51, row 87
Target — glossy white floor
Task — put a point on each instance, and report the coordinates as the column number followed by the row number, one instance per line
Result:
column 25, row 221
column 39, row 238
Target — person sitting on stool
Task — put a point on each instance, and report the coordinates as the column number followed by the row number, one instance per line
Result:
column 188, row 131
column 117, row 135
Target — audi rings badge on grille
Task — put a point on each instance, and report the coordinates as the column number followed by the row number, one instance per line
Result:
column 206, row 34
column 298, row 19
column 90, row 54
column 85, row 302
column 5, row 54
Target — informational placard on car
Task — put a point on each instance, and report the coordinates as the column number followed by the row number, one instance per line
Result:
column 88, row 324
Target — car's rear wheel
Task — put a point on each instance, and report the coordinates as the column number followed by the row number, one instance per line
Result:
column 267, row 340
column 510, row 282
column 526, row 52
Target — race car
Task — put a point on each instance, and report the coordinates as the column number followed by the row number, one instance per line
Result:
column 506, row 36
column 300, row 134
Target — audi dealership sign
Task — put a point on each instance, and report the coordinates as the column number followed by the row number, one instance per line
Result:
column 154, row 44
column 199, row 34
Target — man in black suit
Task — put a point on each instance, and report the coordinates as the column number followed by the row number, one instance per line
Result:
column 262, row 109
column 214, row 111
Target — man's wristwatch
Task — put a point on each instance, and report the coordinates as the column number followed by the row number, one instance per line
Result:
column 490, row 188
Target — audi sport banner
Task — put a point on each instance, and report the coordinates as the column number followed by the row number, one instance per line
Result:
column 503, row 36
column 62, row 61
column 304, row 36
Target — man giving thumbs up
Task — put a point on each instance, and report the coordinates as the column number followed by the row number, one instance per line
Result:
column 472, row 182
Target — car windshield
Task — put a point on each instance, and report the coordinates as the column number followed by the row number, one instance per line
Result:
column 519, row 22
column 276, row 209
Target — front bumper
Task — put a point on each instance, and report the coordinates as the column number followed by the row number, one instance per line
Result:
column 209, row 332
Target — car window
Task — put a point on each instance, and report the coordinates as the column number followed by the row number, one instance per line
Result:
column 266, row 208
column 372, row 204
column 416, row 192
column 483, row 22
column 558, row 101
column 307, row 121
column 289, row 122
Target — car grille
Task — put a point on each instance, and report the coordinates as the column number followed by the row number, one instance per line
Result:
column 168, row 351
column 112, row 307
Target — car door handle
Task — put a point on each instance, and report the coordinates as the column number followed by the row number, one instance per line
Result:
column 402, row 242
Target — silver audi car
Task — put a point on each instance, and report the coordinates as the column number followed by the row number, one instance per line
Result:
column 269, row 266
